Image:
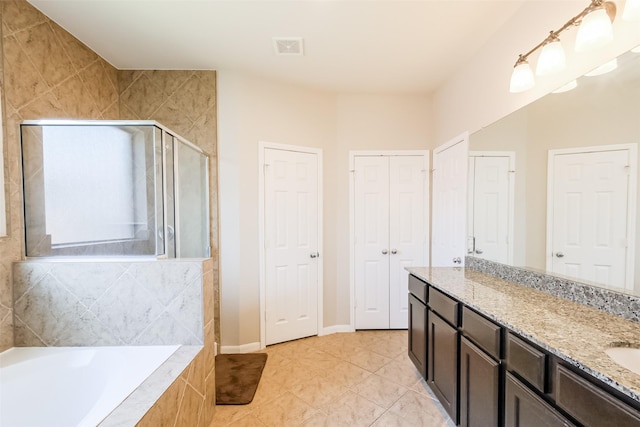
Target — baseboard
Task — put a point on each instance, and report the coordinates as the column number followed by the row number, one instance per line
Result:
column 336, row 328
column 244, row 348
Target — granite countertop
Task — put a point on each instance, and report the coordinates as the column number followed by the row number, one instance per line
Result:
column 574, row 332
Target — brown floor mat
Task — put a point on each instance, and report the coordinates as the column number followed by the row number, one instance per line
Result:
column 237, row 377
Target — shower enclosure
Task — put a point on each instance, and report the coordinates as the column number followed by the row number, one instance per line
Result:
column 113, row 188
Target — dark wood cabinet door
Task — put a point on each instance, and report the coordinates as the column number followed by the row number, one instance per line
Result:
column 524, row 409
column 479, row 387
column 589, row 404
column 442, row 356
column 418, row 334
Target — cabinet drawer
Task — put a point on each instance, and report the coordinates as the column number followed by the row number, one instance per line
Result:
column 527, row 361
column 418, row 288
column 445, row 306
column 589, row 404
column 523, row 408
column 486, row 334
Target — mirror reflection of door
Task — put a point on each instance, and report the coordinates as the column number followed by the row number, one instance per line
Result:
column 490, row 205
column 591, row 213
column 449, row 202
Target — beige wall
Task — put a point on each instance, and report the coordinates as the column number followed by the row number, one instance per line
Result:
column 253, row 109
column 478, row 94
column 368, row 122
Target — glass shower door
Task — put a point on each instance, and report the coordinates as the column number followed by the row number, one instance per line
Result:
column 192, row 188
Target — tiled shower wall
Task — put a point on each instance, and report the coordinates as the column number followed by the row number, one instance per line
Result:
column 108, row 303
column 185, row 102
column 47, row 73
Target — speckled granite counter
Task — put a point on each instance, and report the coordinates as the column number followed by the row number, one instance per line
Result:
column 574, row 332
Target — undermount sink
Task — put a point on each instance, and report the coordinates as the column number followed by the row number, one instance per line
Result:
column 627, row 357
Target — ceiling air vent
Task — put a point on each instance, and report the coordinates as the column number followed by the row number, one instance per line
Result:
column 288, row 45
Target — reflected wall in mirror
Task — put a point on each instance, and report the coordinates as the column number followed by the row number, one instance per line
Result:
column 598, row 123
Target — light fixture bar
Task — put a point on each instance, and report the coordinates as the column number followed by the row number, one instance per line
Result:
column 554, row 36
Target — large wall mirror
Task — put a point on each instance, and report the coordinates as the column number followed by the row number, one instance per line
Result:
column 554, row 186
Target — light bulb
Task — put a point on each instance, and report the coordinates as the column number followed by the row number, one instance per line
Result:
column 552, row 59
column 522, row 78
column 631, row 10
column 595, row 31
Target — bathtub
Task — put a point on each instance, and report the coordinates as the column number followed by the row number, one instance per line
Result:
column 71, row 386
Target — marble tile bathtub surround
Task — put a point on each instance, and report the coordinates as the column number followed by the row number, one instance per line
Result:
column 175, row 394
column 574, row 332
column 72, row 303
column 616, row 303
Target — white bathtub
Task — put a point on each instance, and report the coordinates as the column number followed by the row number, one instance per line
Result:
column 71, row 386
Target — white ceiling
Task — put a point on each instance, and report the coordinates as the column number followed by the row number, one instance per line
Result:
column 375, row 46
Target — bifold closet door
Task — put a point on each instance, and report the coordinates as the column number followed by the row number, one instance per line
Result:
column 390, row 234
column 371, row 212
column 407, row 230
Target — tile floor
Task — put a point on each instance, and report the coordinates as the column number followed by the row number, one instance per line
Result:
column 346, row 379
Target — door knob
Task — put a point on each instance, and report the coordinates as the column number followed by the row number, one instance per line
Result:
column 384, row 252
column 479, row 251
column 394, row 251
column 559, row 254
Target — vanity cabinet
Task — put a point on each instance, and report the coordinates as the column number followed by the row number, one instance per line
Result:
column 442, row 375
column 418, row 334
column 417, row 330
column 480, row 371
column 442, row 348
column 589, row 404
column 523, row 408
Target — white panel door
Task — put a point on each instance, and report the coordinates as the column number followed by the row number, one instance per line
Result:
column 390, row 224
column 291, row 245
column 371, row 234
column 450, row 164
column 491, row 202
column 589, row 216
column 407, row 230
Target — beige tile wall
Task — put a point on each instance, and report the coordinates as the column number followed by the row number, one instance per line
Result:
column 47, row 73
column 185, row 102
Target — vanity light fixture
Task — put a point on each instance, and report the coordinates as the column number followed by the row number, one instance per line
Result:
column 594, row 31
